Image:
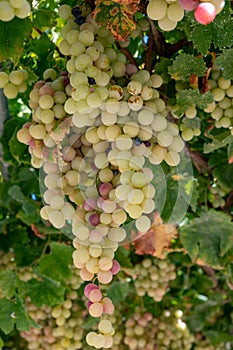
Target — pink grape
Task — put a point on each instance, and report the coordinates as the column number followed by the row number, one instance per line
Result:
column 39, row 84
column 96, row 309
column 89, row 304
column 88, row 288
column 115, row 267
column 94, row 219
column 189, row 5
column 46, row 90
column 205, row 13
column 108, row 306
column 89, row 204
column 104, row 189
column 95, row 296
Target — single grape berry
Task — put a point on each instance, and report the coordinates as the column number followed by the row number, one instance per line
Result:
column 189, row 5
column 80, row 20
column 91, row 81
column 147, row 143
column 205, row 13
column 137, row 141
column 76, row 11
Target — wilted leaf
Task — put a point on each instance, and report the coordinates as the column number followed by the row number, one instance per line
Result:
column 117, row 16
column 157, row 240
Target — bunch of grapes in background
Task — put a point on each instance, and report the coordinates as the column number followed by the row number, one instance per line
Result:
column 152, row 277
column 221, row 110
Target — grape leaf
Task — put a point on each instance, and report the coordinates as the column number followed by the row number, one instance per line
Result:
column 216, row 144
column 208, row 238
column 224, row 173
column 117, row 15
column 13, row 34
column 12, row 314
column 28, row 206
column 8, row 283
column 220, row 32
column 117, row 292
column 218, row 337
column 189, row 97
column 56, row 264
column 224, row 61
column 184, row 65
column 45, row 291
column 202, row 36
column 1, row 343
column 122, row 256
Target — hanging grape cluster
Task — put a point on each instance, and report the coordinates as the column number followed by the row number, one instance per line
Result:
column 221, row 110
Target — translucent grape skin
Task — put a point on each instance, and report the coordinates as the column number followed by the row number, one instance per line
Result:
column 189, row 5
column 205, row 13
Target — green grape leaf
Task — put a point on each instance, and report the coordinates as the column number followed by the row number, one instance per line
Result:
column 1, row 343
column 224, row 61
column 184, row 65
column 202, row 36
column 45, row 291
column 28, row 206
column 118, row 15
column 43, row 18
column 187, row 98
column 122, row 256
column 56, row 264
column 218, row 143
column 218, row 337
column 8, row 283
column 117, row 292
column 224, row 173
column 13, row 314
column 208, row 238
column 201, row 315
column 220, row 32
column 13, row 34
column 10, row 126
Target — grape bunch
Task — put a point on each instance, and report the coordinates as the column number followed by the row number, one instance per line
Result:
column 204, row 11
column 216, row 194
column 92, row 139
column 61, row 325
column 152, row 277
column 189, row 122
column 11, row 8
column 13, row 83
column 168, row 332
column 221, row 110
column 47, row 103
column 166, row 12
